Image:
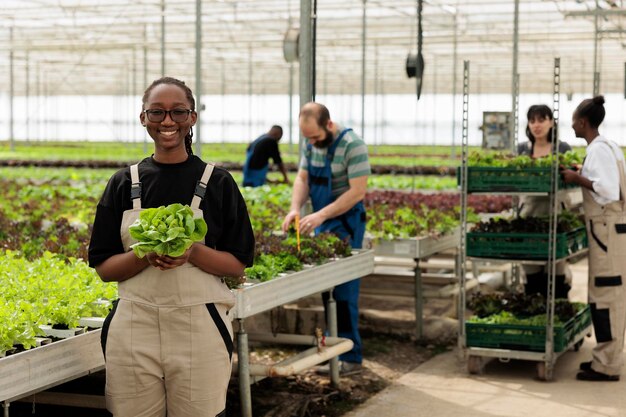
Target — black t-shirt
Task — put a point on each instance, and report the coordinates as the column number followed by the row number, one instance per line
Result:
column 266, row 147
column 224, row 208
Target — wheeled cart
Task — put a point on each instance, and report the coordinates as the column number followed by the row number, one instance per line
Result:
column 519, row 342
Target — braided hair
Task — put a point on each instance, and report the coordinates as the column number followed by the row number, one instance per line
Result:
column 188, row 94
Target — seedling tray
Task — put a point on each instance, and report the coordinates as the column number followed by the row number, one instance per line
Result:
column 526, row 180
column 526, row 338
column 524, row 246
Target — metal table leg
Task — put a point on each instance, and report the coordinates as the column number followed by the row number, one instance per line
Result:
column 331, row 311
column 419, row 302
column 245, row 397
column 6, row 406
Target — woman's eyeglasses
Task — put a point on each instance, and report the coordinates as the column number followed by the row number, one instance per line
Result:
column 158, row 115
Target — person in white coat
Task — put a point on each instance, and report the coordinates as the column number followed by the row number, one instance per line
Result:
column 604, row 201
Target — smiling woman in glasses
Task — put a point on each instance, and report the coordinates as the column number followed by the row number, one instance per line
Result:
column 168, row 340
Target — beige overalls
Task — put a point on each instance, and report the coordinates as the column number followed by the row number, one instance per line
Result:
column 168, row 345
column 606, row 232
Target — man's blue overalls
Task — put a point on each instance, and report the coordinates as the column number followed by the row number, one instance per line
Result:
column 254, row 177
column 350, row 224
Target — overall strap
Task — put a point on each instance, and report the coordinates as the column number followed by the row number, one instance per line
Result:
column 331, row 150
column 135, row 186
column 622, row 177
column 201, row 186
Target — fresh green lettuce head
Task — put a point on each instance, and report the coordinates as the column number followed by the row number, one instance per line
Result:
column 167, row 230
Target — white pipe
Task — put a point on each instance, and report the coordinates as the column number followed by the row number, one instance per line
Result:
column 335, row 346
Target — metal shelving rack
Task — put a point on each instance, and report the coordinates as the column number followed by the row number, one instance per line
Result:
column 546, row 359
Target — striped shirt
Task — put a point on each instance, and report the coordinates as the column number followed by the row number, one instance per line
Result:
column 350, row 161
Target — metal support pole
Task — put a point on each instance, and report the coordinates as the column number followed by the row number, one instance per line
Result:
column 434, row 99
column 125, row 127
column 419, row 301
column 457, row 273
column 291, row 108
column 513, row 122
column 515, row 112
column 454, row 70
column 243, row 367
column 223, row 98
column 596, row 37
column 5, row 406
column 199, row 105
column 133, row 94
column 27, row 97
column 162, row 38
column 363, row 62
column 553, row 223
column 250, row 133
column 11, row 92
column 305, row 58
column 39, row 100
column 314, row 51
column 331, row 318
column 376, row 82
column 145, row 79
column 462, row 246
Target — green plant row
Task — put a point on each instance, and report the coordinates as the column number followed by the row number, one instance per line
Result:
column 81, row 177
column 566, row 222
column 504, row 160
column 214, row 150
column 275, row 255
column 518, row 308
column 47, row 290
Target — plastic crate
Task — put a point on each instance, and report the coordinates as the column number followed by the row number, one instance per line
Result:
column 527, row 180
column 524, row 246
column 526, row 338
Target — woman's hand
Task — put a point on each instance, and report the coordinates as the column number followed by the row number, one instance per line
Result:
column 569, row 176
column 165, row 262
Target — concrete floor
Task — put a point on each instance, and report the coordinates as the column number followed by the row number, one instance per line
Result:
column 442, row 387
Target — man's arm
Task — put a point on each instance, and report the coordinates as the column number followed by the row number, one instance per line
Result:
column 299, row 196
column 347, row 200
column 282, row 168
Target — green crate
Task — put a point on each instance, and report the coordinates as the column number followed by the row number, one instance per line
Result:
column 526, row 180
column 526, row 338
column 528, row 246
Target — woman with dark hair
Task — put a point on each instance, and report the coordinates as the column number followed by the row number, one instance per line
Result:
column 603, row 181
column 540, row 131
column 168, row 340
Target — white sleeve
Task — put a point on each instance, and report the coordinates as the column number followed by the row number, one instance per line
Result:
column 601, row 170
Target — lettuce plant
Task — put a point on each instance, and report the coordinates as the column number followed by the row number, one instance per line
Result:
column 167, row 230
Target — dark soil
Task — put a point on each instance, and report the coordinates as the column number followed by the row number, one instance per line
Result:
column 387, row 357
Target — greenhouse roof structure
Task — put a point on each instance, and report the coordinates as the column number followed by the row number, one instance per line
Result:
column 77, row 47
